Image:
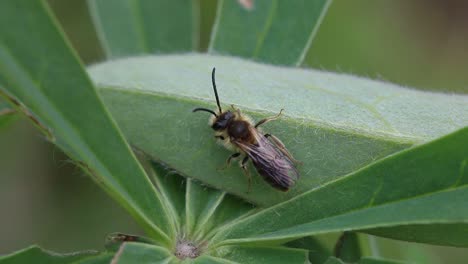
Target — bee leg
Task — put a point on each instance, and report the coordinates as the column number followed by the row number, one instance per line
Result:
column 228, row 161
column 282, row 147
column 268, row 119
column 246, row 172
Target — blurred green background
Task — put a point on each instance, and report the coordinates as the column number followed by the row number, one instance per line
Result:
column 421, row 44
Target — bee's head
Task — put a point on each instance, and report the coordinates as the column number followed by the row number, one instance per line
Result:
column 218, row 121
column 221, row 122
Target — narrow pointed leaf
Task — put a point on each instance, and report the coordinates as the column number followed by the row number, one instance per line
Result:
column 212, row 260
column 231, row 209
column 277, row 32
column 143, row 254
column 38, row 255
column 263, row 255
column 452, row 211
column 131, row 27
column 201, row 203
column 199, row 210
column 400, row 190
column 366, row 260
column 333, row 123
column 38, row 68
column 172, row 191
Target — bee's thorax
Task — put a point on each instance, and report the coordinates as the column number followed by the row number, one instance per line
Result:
column 239, row 129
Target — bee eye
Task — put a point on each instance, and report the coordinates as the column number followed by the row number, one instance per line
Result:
column 222, row 121
column 220, row 124
column 217, row 126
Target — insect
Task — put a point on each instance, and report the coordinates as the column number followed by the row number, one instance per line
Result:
column 238, row 133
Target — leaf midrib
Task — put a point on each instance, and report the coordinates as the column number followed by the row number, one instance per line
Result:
column 355, row 210
column 265, row 237
column 71, row 128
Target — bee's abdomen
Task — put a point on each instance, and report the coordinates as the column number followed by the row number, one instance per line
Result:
column 266, row 172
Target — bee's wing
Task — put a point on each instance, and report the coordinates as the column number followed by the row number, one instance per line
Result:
column 274, row 166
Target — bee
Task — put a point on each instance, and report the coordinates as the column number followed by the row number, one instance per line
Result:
column 268, row 154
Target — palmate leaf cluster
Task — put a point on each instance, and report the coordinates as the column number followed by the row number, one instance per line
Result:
column 376, row 158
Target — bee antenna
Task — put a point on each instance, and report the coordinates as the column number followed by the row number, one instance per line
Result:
column 205, row 110
column 215, row 90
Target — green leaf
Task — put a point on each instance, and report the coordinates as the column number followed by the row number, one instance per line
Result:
column 277, row 32
column 7, row 114
column 211, row 260
column 402, row 189
column 365, row 260
column 37, row 255
column 259, row 255
column 172, row 189
column 201, row 204
column 208, row 209
column 318, row 253
column 372, row 260
column 230, row 210
column 102, row 259
column 141, row 253
column 333, row 260
column 413, row 211
column 115, row 240
column 199, row 210
column 347, row 247
column 333, row 123
column 454, row 234
column 130, row 27
column 38, row 68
